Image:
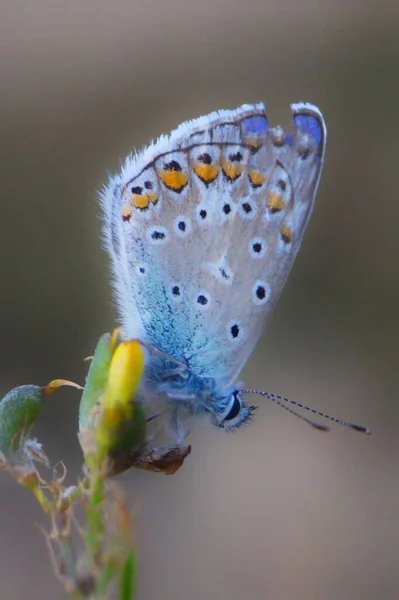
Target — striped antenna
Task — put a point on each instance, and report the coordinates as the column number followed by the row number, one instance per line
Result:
column 285, row 402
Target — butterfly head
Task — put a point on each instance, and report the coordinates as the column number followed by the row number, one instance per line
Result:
column 179, row 385
column 233, row 411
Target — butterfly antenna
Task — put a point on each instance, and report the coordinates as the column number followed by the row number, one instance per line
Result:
column 285, row 402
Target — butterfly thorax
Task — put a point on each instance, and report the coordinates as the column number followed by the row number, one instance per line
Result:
column 172, row 381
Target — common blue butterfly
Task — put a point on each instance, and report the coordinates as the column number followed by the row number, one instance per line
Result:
column 202, row 228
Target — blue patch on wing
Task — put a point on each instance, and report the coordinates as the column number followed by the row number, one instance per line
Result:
column 289, row 139
column 311, row 124
column 257, row 124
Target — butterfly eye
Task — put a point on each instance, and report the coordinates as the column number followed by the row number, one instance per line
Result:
column 236, row 412
column 234, row 408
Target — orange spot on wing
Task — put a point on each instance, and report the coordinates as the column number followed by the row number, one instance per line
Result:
column 256, row 178
column 286, row 234
column 139, row 201
column 232, row 170
column 275, row 202
column 254, row 143
column 175, row 180
column 153, row 198
column 206, row 173
column 127, row 212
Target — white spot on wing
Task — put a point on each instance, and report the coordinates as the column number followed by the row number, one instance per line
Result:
column 203, row 215
column 235, row 332
column 203, row 300
column 221, row 270
column 257, row 247
column 247, row 209
column 182, row 226
column 157, row 235
column 260, row 292
column 176, row 292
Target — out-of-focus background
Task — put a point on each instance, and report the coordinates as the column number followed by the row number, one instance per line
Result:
column 278, row 511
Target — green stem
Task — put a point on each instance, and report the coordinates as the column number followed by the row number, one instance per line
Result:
column 95, row 520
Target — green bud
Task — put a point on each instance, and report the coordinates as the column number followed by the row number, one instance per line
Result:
column 96, row 380
column 112, row 422
column 19, row 410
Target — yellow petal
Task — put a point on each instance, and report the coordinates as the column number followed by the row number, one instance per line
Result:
column 126, row 371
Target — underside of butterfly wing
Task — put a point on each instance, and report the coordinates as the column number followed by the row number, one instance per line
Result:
column 203, row 227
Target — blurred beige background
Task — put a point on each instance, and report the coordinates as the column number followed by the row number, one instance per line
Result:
column 278, row 511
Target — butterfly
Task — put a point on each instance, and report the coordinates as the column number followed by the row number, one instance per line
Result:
column 202, row 228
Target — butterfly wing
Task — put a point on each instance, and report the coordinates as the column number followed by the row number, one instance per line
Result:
column 203, row 227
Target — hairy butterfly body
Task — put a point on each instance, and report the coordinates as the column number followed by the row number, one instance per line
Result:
column 202, row 228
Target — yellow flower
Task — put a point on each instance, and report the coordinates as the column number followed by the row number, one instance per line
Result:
column 119, row 410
